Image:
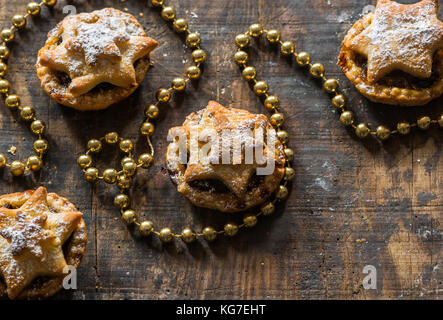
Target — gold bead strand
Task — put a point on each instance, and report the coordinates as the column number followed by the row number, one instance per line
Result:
column 123, row 177
column 317, row 70
column 12, row 101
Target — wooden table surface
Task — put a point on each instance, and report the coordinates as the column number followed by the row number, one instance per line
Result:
column 352, row 203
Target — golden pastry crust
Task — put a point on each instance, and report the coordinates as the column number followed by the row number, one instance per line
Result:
column 224, row 187
column 375, row 79
column 93, row 60
column 73, row 247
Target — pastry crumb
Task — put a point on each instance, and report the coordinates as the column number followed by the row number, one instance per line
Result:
column 12, row 150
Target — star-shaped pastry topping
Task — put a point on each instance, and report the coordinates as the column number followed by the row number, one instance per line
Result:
column 98, row 47
column 31, row 240
column 401, row 37
column 230, row 126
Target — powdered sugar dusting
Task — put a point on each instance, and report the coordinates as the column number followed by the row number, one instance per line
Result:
column 401, row 33
column 26, row 235
column 100, row 35
column 413, row 31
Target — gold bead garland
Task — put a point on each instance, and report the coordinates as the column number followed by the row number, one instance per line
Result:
column 123, row 177
column 317, row 70
column 12, row 101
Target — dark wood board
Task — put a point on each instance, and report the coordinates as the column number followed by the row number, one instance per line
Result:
column 352, row 203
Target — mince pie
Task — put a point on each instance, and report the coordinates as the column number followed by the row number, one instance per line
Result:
column 93, row 60
column 220, row 176
column 40, row 234
column 395, row 55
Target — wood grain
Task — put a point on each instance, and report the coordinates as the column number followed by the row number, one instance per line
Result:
column 352, row 203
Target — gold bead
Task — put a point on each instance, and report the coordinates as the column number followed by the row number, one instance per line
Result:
column 188, row 235
column 163, row 95
column 193, row 72
column 317, row 70
column 209, row 233
column 146, row 228
column 403, row 128
column 94, row 145
column 303, row 59
column 193, row 39
column 145, row 160
column 166, row 235
column 289, row 173
column 289, row 154
column 250, row 220
column 126, row 145
column 147, row 129
column 121, row 201
column 4, row 86
column 34, row 163
column 287, row 48
column 126, row 160
column 91, row 174
column 38, row 127
column 241, row 57
column 27, row 113
column 347, row 118
column 7, row 35
column 440, row 121
column 3, row 160
column 261, row 87
column 242, row 40
column 249, row 73
column 273, row 36
column 49, row 3
column 178, row 84
column 3, row 68
column 110, row 176
column 168, row 13
column 123, row 182
column 198, row 56
column 383, row 133
column 277, row 119
column 33, row 8
column 157, row 3
column 4, row 52
column 128, row 217
column 129, row 168
column 339, row 101
column 255, row 30
column 424, row 122
column 152, row 111
column 84, row 161
column 272, row 102
column 17, row 168
column 362, row 130
column 230, row 229
column 331, row 85
column 18, row 21
column 111, row 137
column 180, row 25
column 40, row 145
column 283, row 136
column 12, row 101
column 282, row 192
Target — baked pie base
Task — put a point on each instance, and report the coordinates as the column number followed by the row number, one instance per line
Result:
column 101, row 97
column 396, row 88
column 73, row 249
column 212, row 193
